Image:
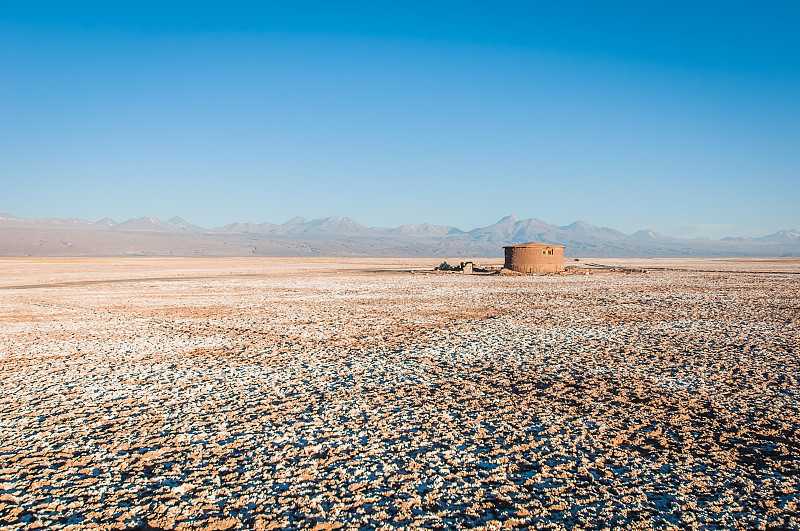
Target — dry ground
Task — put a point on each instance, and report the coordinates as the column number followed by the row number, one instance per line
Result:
column 233, row 394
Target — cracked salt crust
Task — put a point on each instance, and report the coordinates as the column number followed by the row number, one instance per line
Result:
column 299, row 397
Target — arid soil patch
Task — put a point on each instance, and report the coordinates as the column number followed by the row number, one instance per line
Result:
column 282, row 394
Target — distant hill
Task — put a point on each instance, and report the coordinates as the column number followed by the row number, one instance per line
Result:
column 342, row 236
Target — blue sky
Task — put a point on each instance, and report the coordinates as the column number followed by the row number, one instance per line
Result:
column 683, row 117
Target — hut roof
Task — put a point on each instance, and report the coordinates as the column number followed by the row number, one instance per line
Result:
column 533, row 244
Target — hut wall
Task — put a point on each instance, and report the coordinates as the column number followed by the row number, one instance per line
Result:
column 535, row 259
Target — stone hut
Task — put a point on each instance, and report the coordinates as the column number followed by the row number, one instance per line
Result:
column 535, row 257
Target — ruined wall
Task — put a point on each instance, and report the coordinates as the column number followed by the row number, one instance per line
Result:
column 535, row 259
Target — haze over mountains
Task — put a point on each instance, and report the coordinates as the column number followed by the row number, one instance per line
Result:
column 342, row 236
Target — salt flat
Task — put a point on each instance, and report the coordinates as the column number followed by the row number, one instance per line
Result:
column 345, row 393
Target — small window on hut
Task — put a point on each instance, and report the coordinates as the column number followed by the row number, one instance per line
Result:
column 549, row 251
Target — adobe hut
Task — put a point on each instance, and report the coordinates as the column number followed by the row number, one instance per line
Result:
column 535, row 257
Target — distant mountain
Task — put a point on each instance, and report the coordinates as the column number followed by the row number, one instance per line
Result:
column 153, row 224
column 534, row 230
column 107, row 222
column 650, row 235
column 342, row 236
column 502, row 231
column 297, row 220
column 183, row 225
column 583, row 228
column 299, row 226
column 7, row 220
column 334, row 225
column 255, row 228
column 425, row 230
column 782, row 236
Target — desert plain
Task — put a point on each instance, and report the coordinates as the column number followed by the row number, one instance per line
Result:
column 356, row 394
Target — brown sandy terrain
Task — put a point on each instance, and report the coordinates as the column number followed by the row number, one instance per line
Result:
column 322, row 394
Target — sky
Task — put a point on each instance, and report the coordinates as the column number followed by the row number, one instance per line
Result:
column 681, row 117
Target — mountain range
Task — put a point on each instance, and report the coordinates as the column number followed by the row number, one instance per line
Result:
column 342, row 236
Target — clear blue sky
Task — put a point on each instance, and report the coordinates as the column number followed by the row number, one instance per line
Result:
column 683, row 117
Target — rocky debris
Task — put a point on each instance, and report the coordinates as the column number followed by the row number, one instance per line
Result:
column 589, row 269
column 339, row 401
column 505, row 272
